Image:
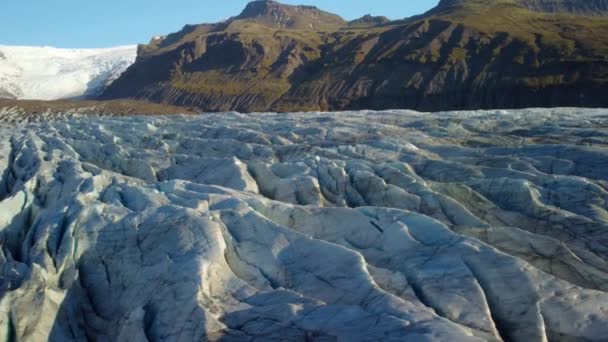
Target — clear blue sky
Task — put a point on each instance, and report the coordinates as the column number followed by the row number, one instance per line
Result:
column 103, row 23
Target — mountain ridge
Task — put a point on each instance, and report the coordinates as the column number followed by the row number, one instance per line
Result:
column 483, row 54
column 578, row 7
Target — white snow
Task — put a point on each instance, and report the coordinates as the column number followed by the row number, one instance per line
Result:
column 48, row 73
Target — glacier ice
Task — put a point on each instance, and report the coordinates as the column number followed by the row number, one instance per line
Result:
column 48, row 73
column 353, row 226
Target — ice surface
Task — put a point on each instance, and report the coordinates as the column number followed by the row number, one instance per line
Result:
column 47, row 73
column 354, row 226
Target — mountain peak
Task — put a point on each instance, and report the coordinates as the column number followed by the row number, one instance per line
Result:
column 279, row 15
column 260, row 8
column 368, row 20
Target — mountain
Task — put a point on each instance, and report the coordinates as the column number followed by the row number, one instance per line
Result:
column 290, row 17
column 588, row 7
column 581, row 7
column 368, row 21
column 463, row 54
column 47, row 73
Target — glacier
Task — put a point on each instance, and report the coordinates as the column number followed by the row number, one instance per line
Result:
column 351, row 226
column 49, row 73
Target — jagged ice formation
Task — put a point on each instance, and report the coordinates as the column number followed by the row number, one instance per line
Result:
column 354, row 226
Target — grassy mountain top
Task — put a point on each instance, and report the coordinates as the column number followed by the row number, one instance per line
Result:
column 282, row 16
column 368, row 21
column 578, row 7
column 573, row 36
column 259, row 18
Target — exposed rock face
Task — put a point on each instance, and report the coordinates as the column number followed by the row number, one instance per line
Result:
column 351, row 226
column 462, row 55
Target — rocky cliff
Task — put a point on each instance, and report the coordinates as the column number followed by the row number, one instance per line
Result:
column 464, row 54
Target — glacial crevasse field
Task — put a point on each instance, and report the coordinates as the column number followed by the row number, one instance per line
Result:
column 353, row 226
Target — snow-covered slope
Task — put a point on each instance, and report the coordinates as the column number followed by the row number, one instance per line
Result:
column 356, row 226
column 48, row 73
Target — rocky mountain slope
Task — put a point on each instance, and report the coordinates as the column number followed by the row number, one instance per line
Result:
column 462, row 54
column 586, row 7
column 47, row 73
column 353, row 226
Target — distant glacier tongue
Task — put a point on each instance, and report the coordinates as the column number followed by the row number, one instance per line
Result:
column 47, row 73
column 352, row 226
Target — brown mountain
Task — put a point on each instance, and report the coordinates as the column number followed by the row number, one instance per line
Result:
column 464, row 54
column 368, row 20
column 580, row 7
column 281, row 16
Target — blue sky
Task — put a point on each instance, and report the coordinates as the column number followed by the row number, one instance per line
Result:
column 103, row 23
